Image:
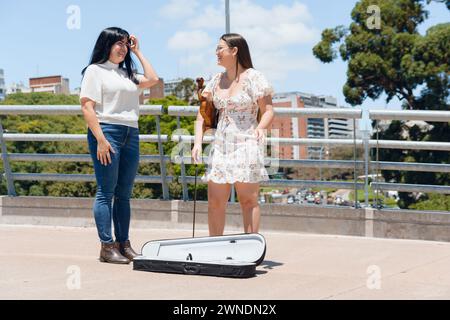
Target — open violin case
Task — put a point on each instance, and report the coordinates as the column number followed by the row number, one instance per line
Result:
column 223, row 256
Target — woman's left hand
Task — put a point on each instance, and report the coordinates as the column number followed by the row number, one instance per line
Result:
column 259, row 134
column 134, row 44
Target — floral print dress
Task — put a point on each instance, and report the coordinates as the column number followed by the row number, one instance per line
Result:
column 236, row 155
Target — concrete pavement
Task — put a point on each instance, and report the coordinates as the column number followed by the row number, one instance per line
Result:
column 45, row 262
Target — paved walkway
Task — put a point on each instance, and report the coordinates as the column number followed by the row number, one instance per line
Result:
column 38, row 262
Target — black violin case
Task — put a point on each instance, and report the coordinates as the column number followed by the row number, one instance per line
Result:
column 233, row 256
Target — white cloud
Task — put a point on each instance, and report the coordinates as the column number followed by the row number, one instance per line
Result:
column 278, row 64
column 176, row 9
column 209, row 18
column 245, row 13
column 199, row 64
column 275, row 35
column 248, row 15
column 297, row 11
column 189, row 40
column 194, row 58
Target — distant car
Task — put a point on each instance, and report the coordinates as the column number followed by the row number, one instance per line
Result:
column 379, row 205
column 290, row 199
column 310, row 198
column 338, row 201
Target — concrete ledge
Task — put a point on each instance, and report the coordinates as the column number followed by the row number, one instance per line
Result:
column 409, row 224
column 176, row 214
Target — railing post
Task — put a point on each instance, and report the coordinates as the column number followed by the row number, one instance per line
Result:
column 377, row 205
column 6, row 167
column 183, row 168
column 233, row 196
column 162, row 161
column 366, row 136
column 320, row 158
column 355, row 176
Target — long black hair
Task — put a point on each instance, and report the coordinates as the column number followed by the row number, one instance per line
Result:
column 243, row 55
column 102, row 49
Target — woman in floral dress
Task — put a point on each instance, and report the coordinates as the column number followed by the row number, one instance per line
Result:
column 237, row 153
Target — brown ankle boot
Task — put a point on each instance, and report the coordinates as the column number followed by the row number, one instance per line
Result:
column 126, row 250
column 109, row 253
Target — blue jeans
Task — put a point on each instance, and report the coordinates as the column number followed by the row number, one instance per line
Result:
column 115, row 180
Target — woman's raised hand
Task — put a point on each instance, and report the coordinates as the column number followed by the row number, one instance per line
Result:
column 134, row 43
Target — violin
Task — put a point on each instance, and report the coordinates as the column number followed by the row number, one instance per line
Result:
column 207, row 109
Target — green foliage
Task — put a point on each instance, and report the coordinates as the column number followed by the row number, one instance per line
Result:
column 40, row 98
column 186, row 89
column 433, row 202
column 398, row 61
column 390, row 202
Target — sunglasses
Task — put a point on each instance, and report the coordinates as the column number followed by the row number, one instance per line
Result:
column 128, row 44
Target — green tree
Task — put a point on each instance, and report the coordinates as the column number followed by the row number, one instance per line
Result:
column 434, row 201
column 186, row 90
column 395, row 59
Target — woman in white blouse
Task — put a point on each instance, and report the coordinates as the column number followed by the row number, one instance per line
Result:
column 237, row 153
column 110, row 103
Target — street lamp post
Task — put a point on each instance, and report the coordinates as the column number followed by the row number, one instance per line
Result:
column 227, row 16
column 227, row 30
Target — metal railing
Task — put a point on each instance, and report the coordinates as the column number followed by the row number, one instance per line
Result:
column 191, row 111
column 155, row 110
column 366, row 143
column 431, row 116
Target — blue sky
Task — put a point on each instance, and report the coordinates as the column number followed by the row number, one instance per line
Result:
column 179, row 37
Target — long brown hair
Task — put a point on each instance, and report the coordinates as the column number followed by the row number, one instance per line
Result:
column 243, row 55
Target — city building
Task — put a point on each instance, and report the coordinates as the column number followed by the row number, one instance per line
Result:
column 187, row 91
column 76, row 91
column 289, row 127
column 17, row 88
column 302, row 127
column 339, row 128
column 155, row 92
column 53, row 84
column 2, row 85
column 169, row 87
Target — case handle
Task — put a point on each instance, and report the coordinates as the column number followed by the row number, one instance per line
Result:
column 191, row 269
